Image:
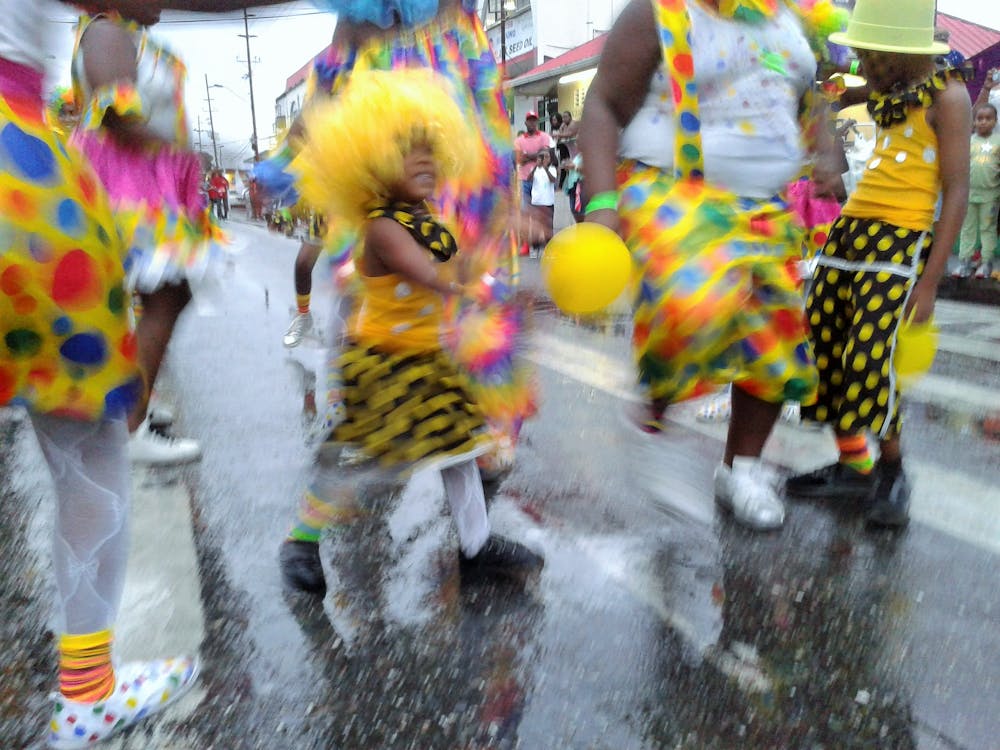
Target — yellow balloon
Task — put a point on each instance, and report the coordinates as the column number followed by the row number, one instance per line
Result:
column 585, row 267
column 916, row 345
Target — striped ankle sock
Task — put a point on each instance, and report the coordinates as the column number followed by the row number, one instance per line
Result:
column 316, row 514
column 854, row 453
column 85, row 671
column 302, row 302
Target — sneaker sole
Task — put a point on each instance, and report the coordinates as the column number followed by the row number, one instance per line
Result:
column 828, row 493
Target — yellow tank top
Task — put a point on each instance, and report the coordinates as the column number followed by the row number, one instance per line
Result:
column 397, row 315
column 902, row 179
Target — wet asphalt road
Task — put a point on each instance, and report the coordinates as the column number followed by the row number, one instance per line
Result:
column 656, row 622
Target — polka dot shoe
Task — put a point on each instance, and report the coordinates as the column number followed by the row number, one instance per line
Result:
column 142, row 689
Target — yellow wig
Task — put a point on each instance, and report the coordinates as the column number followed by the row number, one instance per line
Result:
column 353, row 153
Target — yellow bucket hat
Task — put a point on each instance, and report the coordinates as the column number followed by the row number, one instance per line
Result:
column 905, row 26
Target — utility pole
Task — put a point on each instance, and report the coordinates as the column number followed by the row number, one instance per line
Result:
column 211, row 123
column 253, row 112
column 201, row 148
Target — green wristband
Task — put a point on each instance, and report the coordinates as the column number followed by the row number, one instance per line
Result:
column 602, row 201
column 855, row 67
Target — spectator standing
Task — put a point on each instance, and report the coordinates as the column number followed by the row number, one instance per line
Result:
column 218, row 193
column 526, row 150
column 984, row 195
column 255, row 198
column 543, row 199
column 566, row 145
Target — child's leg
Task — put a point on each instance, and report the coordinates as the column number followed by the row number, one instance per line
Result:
column 160, row 311
column 988, row 231
column 970, row 230
column 464, row 489
column 330, row 500
column 302, row 323
column 305, row 262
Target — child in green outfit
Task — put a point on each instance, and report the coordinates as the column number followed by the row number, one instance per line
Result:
column 984, row 195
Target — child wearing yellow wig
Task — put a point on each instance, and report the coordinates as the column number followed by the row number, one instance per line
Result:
column 374, row 161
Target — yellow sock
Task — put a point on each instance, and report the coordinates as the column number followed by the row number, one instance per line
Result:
column 85, row 671
column 302, row 302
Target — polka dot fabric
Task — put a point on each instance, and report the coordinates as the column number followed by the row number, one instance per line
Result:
column 859, row 291
column 718, row 300
column 66, row 346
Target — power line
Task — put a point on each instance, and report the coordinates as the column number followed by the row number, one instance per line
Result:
column 213, row 20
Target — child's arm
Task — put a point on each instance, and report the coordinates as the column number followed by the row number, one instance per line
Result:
column 390, row 248
column 951, row 118
column 551, row 173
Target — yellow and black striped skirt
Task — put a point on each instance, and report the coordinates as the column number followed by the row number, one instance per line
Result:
column 411, row 409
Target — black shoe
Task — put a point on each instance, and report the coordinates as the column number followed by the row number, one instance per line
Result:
column 500, row 556
column 889, row 498
column 301, row 568
column 835, row 481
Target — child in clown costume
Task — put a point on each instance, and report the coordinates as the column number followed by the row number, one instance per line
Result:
column 886, row 254
column 445, row 36
column 406, row 404
column 711, row 92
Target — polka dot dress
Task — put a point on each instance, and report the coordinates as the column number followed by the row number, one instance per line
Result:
column 66, row 346
column 860, row 289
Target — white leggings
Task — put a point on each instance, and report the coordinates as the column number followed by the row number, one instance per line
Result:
column 335, row 489
column 90, row 470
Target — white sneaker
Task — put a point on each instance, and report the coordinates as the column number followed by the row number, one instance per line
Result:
column 154, row 449
column 302, row 324
column 141, row 689
column 747, row 491
column 160, row 417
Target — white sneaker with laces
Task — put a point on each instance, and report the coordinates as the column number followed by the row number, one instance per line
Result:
column 302, row 324
column 155, row 449
column 747, row 491
column 141, row 689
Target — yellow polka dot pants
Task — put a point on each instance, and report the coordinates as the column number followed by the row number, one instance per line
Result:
column 860, row 288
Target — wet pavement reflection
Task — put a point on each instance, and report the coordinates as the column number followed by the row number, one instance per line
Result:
column 655, row 623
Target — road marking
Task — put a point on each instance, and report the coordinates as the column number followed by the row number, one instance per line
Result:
column 161, row 613
column 945, row 500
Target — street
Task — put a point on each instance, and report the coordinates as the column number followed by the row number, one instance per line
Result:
column 655, row 623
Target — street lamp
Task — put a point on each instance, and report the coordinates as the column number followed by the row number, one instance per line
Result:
column 505, row 5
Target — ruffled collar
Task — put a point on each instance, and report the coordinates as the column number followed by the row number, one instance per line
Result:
column 891, row 108
column 422, row 226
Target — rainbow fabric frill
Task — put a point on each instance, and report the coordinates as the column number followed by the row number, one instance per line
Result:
column 66, row 345
column 386, row 13
column 122, row 99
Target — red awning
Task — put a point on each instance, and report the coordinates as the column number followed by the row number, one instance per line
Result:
column 579, row 58
column 967, row 37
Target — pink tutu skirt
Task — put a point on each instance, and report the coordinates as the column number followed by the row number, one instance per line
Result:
column 160, row 207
